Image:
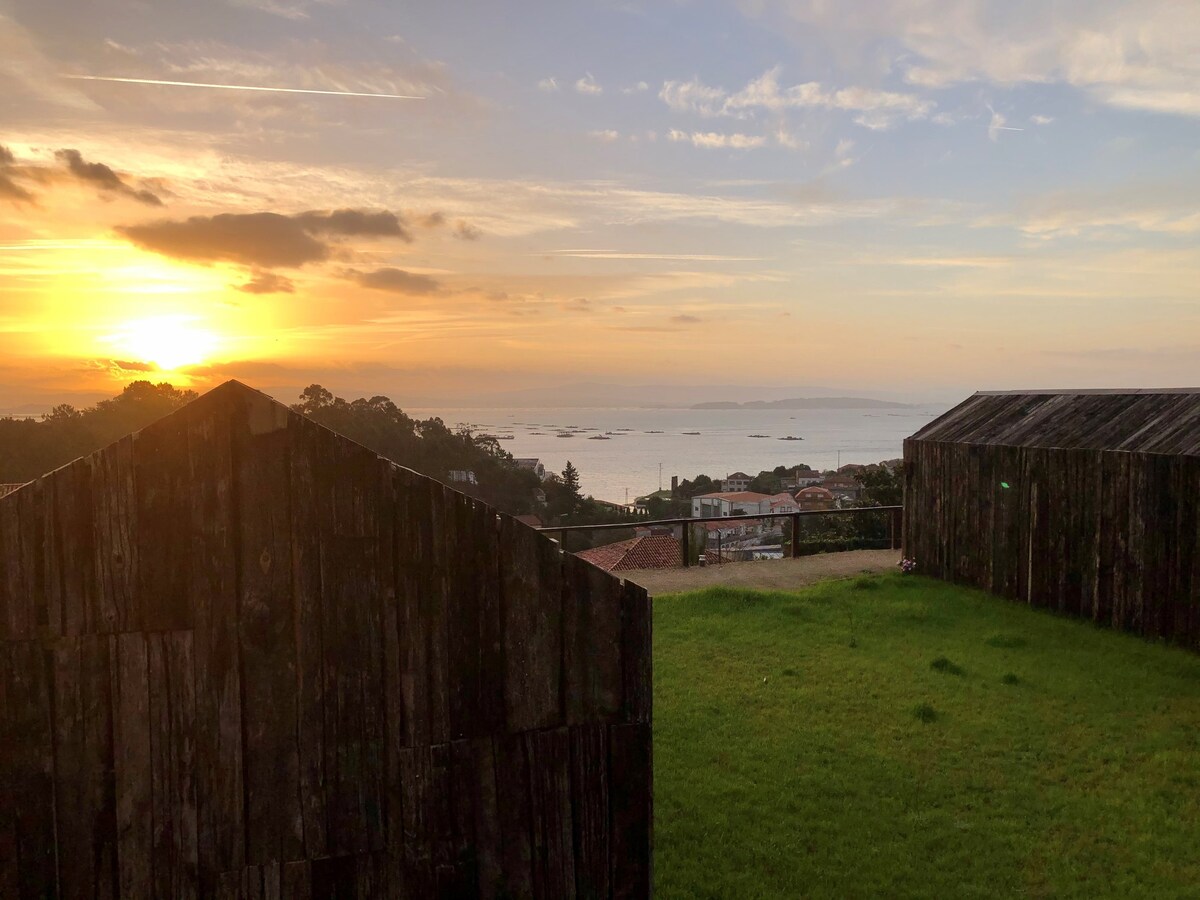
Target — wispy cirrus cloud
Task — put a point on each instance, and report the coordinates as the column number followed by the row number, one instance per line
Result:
column 1135, row 56
column 875, row 109
column 588, row 85
column 713, row 140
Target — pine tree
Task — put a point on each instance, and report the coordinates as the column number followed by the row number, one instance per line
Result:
column 570, row 480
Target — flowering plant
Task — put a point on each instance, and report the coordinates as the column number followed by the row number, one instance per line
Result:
column 908, row 566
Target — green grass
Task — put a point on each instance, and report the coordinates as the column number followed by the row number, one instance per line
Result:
column 915, row 739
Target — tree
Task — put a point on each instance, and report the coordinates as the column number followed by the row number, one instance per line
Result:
column 570, row 481
column 883, row 486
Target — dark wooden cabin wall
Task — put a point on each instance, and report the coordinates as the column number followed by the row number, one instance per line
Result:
column 241, row 656
column 1107, row 535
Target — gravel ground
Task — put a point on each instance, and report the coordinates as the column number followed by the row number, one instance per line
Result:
column 767, row 574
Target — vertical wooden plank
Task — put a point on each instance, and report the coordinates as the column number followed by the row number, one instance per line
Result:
column 306, row 441
column 551, row 824
column 74, row 552
column 217, row 657
column 593, row 686
column 266, row 632
column 463, row 789
column 434, row 611
column 636, row 655
column 532, row 621
column 632, row 807
column 172, row 725
column 353, row 650
column 476, row 662
column 25, row 562
column 14, row 592
column 162, row 488
column 85, row 796
column 416, row 772
column 27, row 835
column 132, row 729
column 296, row 880
column 512, row 804
column 488, row 842
column 590, row 804
column 412, row 564
column 115, row 541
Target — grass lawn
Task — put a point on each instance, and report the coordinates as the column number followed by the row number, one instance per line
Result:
column 900, row 737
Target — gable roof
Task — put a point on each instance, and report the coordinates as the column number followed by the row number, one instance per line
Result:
column 1132, row 420
column 734, row 496
column 655, row 551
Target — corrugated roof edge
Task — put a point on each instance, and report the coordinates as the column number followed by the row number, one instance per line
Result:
column 1072, row 391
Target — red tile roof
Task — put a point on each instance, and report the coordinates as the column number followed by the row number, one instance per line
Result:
column 658, row 551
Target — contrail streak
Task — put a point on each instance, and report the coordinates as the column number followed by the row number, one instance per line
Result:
column 238, row 87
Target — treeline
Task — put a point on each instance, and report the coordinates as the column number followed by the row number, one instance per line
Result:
column 427, row 446
column 32, row 447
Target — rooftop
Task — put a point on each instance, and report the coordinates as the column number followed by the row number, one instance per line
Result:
column 656, row 551
column 1133, row 420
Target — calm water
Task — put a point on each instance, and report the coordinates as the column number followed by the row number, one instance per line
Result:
column 630, row 460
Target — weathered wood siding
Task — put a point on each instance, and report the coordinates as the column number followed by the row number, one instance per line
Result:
column 241, row 656
column 1108, row 534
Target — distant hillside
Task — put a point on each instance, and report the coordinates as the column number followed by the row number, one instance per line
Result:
column 806, row 403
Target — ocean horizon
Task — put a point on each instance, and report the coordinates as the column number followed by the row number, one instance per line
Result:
column 640, row 440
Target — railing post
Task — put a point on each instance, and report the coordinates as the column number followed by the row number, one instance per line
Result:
column 685, row 545
column 795, row 535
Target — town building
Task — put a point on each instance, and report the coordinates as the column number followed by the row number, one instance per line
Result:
column 845, row 486
column 738, row 481
column 816, row 498
column 731, row 503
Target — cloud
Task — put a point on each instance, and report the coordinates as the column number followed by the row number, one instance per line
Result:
column 104, row 178
column 1127, row 55
column 877, row 109
column 395, row 281
column 636, row 88
column 588, row 85
column 577, row 305
column 356, row 223
column 252, row 239
column 606, row 136
column 9, row 189
column 686, row 320
column 267, row 283
column 548, row 85
column 465, row 231
column 263, row 239
column 1041, row 120
column 714, row 140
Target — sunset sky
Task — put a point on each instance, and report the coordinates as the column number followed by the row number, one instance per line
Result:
column 436, row 200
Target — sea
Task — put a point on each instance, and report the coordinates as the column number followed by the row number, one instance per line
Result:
column 645, row 447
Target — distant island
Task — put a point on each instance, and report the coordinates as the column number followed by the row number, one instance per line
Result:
column 806, row 403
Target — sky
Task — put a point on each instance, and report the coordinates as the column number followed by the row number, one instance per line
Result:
column 438, row 200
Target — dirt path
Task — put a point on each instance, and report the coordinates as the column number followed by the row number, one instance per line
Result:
column 774, row 574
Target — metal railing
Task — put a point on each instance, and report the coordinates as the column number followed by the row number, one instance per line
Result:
column 893, row 529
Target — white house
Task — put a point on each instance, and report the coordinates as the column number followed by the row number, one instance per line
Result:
column 731, row 503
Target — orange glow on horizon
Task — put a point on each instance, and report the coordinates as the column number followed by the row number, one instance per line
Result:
column 169, row 342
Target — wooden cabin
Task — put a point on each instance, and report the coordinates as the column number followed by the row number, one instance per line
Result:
column 243, row 656
column 1085, row 502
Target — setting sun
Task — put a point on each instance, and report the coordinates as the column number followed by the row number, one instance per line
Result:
column 169, row 342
